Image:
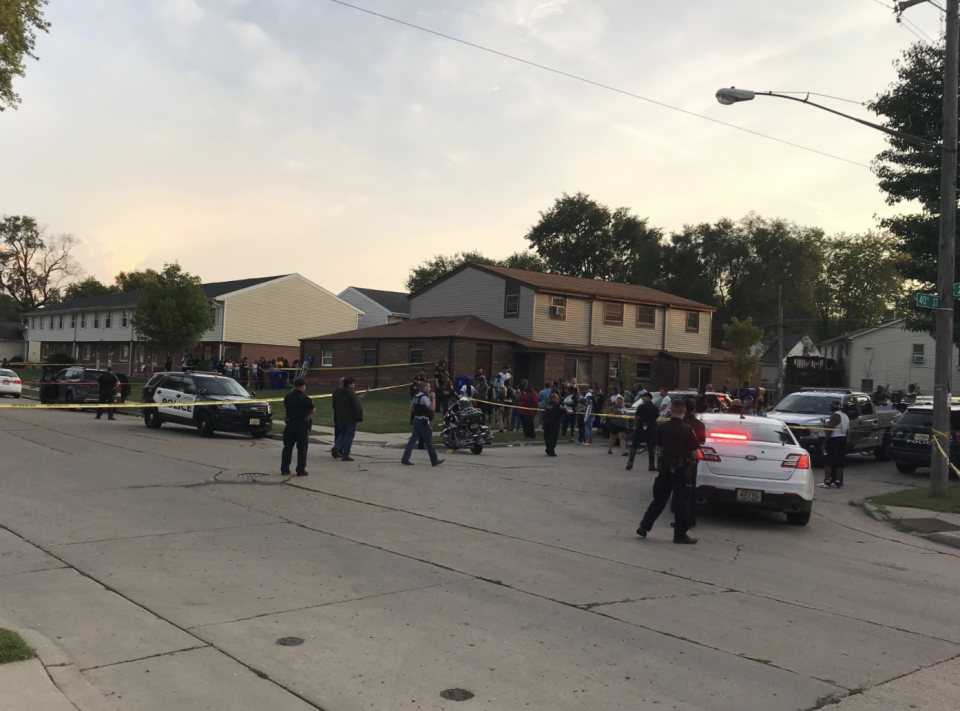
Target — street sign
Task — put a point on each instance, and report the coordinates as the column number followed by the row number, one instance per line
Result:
column 956, row 289
column 928, row 301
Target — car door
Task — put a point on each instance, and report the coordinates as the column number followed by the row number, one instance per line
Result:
column 71, row 382
column 90, row 386
column 870, row 421
column 188, row 394
column 856, row 436
column 168, row 396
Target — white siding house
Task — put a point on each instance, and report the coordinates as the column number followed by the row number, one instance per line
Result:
column 379, row 307
column 887, row 355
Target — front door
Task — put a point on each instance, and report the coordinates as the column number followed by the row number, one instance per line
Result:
column 485, row 360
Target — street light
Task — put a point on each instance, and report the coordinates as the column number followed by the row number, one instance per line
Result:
column 733, row 95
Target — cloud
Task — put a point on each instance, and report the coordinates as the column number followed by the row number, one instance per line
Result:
column 182, row 12
column 272, row 67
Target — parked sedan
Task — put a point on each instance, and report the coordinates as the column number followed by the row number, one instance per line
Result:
column 10, row 384
column 76, row 384
column 755, row 462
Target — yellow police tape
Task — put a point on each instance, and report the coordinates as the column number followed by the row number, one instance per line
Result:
column 936, row 441
column 179, row 403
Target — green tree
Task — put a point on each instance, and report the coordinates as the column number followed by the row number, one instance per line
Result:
column 441, row 264
column 135, row 280
column 581, row 237
column 739, row 338
column 91, row 286
column 34, row 265
column 19, row 22
column 173, row 312
column 530, row 261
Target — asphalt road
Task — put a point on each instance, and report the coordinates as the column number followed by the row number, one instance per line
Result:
column 152, row 565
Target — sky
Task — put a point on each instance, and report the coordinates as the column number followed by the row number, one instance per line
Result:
column 248, row 138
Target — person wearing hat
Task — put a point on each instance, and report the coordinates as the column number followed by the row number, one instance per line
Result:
column 835, row 447
column 645, row 431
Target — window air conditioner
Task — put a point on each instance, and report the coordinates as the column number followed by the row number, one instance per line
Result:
column 558, row 310
column 918, row 357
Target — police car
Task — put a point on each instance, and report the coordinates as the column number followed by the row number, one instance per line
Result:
column 172, row 395
column 755, row 462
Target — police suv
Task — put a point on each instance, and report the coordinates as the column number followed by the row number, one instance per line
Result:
column 172, row 395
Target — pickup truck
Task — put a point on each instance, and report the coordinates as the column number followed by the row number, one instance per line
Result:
column 870, row 425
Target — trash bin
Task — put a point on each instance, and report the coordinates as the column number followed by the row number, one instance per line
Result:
column 276, row 379
column 460, row 381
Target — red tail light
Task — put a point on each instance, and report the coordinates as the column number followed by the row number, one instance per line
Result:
column 796, row 461
column 17, row 381
column 729, row 436
column 709, row 454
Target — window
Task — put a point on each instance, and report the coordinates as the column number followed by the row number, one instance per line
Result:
column 108, row 320
column 51, row 323
column 866, row 407
column 644, row 371
column 60, row 324
column 33, row 323
column 866, row 385
column 73, row 320
column 416, row 353
column 96, row 319
column 511, row 303
column 369, row 354
column 613, row 314
column 109, row 355
column 614, row 367
column 693, row 321
column 41, row 322
column 213, row 315
column 578, row 368
column 207, row 352
column 918, row 354
column 646, row 317
column 86, row 351
column 558, row 308
column 326, row 357
column 700, row 375
column 123, row 321
column 83, row 320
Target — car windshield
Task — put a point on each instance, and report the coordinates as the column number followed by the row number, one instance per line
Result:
column 221, row 386
column 922, row 419
column 734, row 430
column 7, row 374
column 806, row 404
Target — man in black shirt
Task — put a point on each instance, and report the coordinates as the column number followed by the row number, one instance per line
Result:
column 700, row 430
column 299, row 408
column 109, row 384
column 645, row 431
column 678, row 447
column 336, row 425
column 553, row 415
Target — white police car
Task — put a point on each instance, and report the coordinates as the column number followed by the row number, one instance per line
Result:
column 755, row 462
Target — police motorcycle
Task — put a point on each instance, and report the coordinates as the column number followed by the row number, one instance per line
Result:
column 464, row 426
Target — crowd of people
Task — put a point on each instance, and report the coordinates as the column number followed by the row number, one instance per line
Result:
column 250, row 374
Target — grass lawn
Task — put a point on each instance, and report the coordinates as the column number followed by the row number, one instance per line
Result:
column 386, row 411
column 13, row 648
column 921, row 499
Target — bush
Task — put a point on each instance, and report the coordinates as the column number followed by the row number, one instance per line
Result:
column 60, row 359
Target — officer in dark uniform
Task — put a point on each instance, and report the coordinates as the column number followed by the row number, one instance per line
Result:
column 645, row 431
column 700, row 430
column 299, row 408
column 678, row 447
column 109, row 384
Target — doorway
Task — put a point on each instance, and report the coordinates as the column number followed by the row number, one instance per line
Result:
column 485, row 360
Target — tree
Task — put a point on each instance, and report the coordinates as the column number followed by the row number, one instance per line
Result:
column 441, row 264
column 135, row 280
column 19, row 22
column 34, row 266
column 580, row 237
column 173, row 312
column 91, row 286
column 527, row 260
column 739, row 338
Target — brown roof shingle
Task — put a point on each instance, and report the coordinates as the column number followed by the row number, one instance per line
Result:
column 592, row 287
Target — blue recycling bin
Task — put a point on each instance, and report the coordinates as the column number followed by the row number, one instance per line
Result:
column 460, row 381
column 277, row 379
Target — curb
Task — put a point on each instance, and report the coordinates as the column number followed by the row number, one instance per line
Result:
column 947, row 539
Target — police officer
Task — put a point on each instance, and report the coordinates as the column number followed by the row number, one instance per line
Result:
column 645, row 431
column 299, row 407
column 700, row 430
column 678, row 447
column 423, row 406
column 109, row 384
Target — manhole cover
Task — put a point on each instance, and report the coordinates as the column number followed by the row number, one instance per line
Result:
column 290, row 641
column 456, row 694
column 253, row 476
column 932, row 525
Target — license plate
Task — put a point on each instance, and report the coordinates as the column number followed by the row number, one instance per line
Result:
column 254, row 422
column 6, row 382
column 749, row 495
column 921, row 438
column 474, row 427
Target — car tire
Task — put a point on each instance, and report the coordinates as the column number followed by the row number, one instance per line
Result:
column 152, row 420
column 798, row 518
column 205, row 425
column 883, row 451
column 17, row 396
column 477, row 448
column 906, row 468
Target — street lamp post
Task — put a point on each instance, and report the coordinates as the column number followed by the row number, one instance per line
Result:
column 946, row 276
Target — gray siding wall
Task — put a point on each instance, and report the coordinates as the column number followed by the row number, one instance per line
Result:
column 574, row 329
column 89, row 334
column 886, row 357
column 682, row 341
column 629, row 335
column 475, row 293
column 373, row 313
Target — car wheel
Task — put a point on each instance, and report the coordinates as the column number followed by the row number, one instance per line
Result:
column 258, row 435
column 798, row 518
column 205, row 425
column 905, row 468
column 477, row 448
column 152, row 420
column 17, row 396
column 883, row 451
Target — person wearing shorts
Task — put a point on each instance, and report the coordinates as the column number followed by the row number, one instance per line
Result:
column 835, row 447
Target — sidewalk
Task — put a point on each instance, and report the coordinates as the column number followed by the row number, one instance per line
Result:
column 26, row 686
column 940, row 527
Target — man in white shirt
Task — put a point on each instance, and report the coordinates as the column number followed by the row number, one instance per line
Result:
column 665, row 403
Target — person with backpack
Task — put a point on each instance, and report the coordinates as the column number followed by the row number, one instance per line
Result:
column 422, row 406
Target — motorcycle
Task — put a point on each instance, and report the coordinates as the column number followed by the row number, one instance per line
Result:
column 465, row 426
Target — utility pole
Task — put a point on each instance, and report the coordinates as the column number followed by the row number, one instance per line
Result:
column 780, row 346
column 946, row 276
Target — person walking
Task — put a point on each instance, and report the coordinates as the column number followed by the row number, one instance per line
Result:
column 299, row 407
column 553, row 414
column 415, row 389
column 678, row 447
column 334, row 399
column 109, row 385
column 617, row 426
column 700, row 430
column 530, row 403
column 517, row 398
column 835, row 447
column 349, row 415
column 423, row 406
column 645, row 431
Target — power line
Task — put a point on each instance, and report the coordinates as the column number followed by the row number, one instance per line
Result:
column 593, row 83
column 911, row 31
column 826, row 96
